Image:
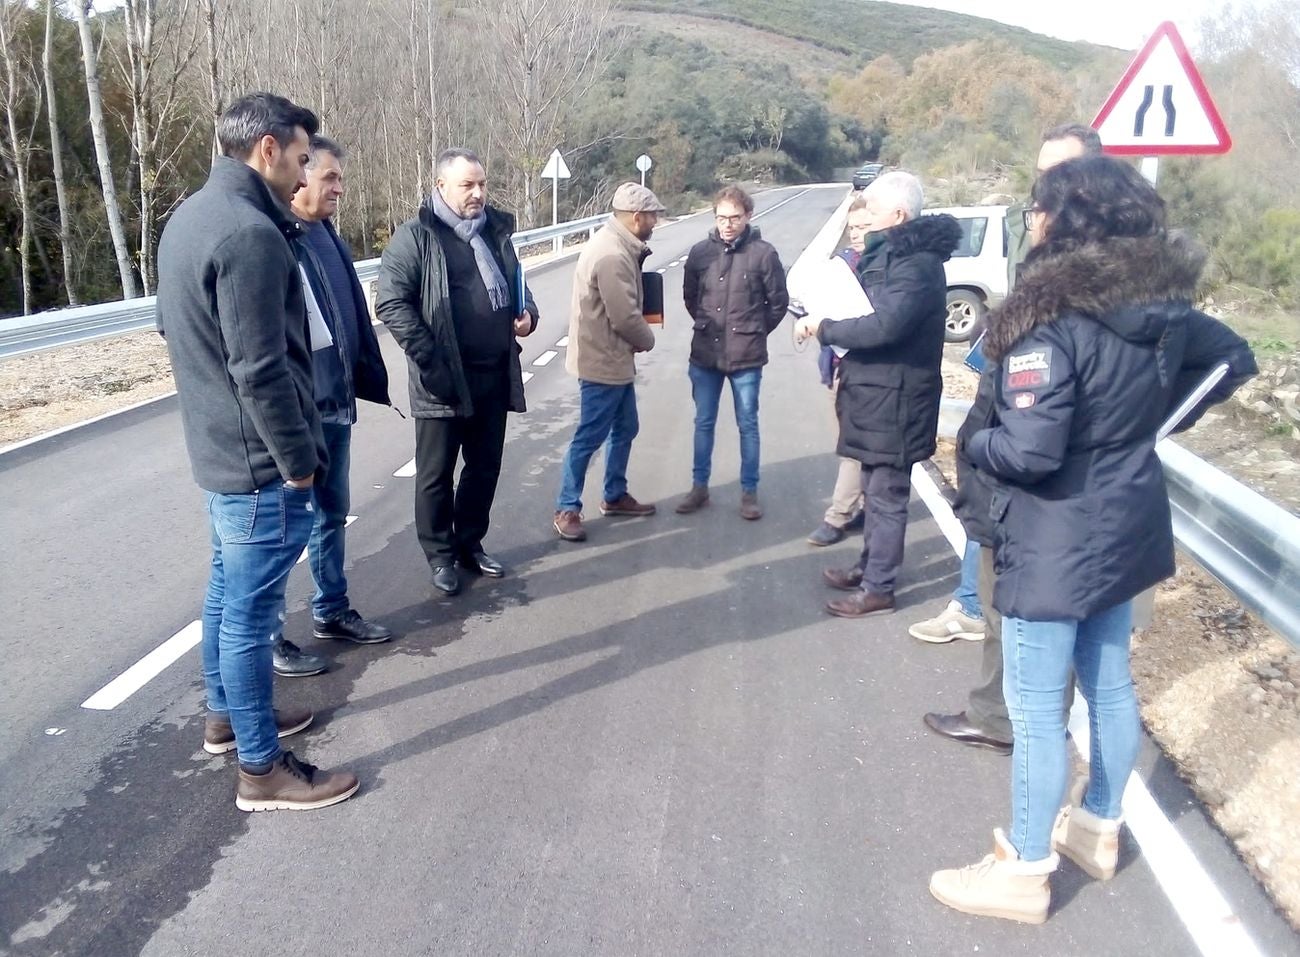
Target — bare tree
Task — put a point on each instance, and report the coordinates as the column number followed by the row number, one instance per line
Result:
column 99, row 133
column 209, row 11
column 16, row 147
column 159, row 49
column 56, row 156
column 543, row 55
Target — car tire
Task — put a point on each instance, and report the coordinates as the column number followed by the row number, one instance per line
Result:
column 965, row 310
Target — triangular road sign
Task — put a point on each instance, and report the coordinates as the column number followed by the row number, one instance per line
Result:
column 556, row 168
column 1161, row 106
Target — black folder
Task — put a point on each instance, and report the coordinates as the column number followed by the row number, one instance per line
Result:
column 652, row 303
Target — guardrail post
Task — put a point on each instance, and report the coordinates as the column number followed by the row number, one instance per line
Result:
column 557, row 244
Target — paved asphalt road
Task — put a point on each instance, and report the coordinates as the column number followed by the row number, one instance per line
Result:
column 652, row 743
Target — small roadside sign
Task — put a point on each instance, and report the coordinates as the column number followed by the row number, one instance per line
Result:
column 1161, row 107
column 644, row 162
column 556, row 168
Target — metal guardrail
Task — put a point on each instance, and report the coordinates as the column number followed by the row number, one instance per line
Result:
column 1248, row 543
column 65, row 327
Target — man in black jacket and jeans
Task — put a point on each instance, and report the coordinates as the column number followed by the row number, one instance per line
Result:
column 734, row 288
column 230, row 302
column 346, row 366
column 451, row 292
column 890, row 384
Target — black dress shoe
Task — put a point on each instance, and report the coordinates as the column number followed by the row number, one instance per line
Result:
column 290, row 661
column 481, row 563
column 350, row 626
column 446, row 580
column 959, row 728
column 825, row 534
column 845, row 579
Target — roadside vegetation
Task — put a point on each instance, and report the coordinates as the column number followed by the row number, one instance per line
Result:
column 714, row 90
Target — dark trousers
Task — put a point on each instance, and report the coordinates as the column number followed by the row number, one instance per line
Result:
column 987, row 709
column 886, row 491
column 451, row 521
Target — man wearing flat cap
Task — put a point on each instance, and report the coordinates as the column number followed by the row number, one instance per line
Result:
column 606, row 330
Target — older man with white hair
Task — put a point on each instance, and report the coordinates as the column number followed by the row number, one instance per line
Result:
column 888, row 401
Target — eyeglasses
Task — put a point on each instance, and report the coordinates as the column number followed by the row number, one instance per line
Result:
column 730, row 220
column 1028, row 215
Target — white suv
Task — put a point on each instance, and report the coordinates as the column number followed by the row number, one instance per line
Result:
column 977, row 271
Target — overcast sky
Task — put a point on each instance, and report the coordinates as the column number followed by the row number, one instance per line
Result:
column 1118, row 23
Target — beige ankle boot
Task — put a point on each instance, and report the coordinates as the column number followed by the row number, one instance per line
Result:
column 1091, row 842
column 1001, row 885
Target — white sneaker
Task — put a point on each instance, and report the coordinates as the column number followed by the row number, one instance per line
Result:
column 948, row 625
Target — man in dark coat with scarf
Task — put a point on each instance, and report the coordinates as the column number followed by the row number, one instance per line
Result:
column 890, row 383
column 451, row 292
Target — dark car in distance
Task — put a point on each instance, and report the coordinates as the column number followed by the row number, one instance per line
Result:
column 866, row 174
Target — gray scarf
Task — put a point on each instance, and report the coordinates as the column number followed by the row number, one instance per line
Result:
column 471, row 231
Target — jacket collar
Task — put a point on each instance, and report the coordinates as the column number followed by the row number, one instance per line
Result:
column 624, row 235
column 233, row 176
column 750, row 234
column 498, row 221
column 939, row 234
column 1114, row 281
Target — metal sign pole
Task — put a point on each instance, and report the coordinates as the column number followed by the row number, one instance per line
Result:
column 1151, row 168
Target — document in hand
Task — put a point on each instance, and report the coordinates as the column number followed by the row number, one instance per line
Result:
column 829, row 289
column 318, row 330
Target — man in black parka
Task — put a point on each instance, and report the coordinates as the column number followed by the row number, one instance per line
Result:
column 890, row 383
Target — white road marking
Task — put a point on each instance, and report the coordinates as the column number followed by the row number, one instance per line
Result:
column 1211, row 922
column 303, row 557
column 661, row 271
column 773, row 209
column 145, row 670
column 527, row 376
column 406, row 471
column 561, row 342
column 545, row 358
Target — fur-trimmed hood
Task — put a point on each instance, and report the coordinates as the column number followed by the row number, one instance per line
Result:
column 940, row 234
column 1114, row 282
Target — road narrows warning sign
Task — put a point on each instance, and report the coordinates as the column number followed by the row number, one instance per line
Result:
column 1160, row 106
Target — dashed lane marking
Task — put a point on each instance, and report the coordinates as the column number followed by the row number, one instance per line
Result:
column 527, row 376
column 145, row 670
column 545, row 358
column 561, row 342
column 406, row 471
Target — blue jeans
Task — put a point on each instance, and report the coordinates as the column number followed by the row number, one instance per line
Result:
column 966, row 594
column 256, row 539
column 1036, row 659
column 326, row 545
column 607, row 412
column 706, row 390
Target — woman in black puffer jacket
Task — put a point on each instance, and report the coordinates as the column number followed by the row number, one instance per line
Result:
column 1096, row 345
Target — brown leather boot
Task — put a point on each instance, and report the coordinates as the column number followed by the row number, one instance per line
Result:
column 694, row 500
column 569, row 526
column 293, row 785
column 625, row 504
column 750, row 510
column 861, row 605
column 845, row 579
